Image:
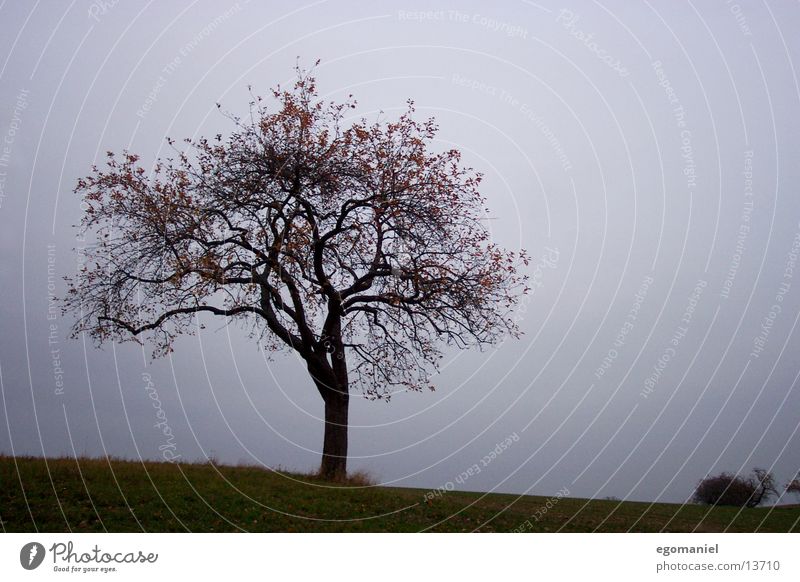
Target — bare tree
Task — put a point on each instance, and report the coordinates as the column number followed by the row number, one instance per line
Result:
column 763, row 483
column 793, row 486
column 355, row 246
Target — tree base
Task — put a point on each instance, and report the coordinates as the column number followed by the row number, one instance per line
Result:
column 333, row 470
column 334, row 449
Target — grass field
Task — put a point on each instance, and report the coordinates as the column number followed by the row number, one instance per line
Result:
column 96, row 495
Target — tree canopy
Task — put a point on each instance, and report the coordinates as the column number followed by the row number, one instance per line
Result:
column 352, row 243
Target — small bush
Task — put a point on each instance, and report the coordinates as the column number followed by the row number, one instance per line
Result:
column 735, row 490
column 361, row 479
column 353, row 479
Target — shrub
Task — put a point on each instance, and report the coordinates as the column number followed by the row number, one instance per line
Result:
column 736, row 490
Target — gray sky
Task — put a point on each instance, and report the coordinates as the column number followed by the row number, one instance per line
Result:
column 644, row 153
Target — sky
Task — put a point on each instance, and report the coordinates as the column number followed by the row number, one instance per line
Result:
column 644, row 154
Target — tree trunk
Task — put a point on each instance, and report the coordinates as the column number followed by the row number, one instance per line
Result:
column 334, row 449
column 331, row 379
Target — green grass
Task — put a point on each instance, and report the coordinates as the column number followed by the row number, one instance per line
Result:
column 96, row 495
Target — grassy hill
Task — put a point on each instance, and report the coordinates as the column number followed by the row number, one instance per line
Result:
column 96, row 495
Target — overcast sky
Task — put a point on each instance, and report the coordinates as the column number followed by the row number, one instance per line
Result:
column 644, row 153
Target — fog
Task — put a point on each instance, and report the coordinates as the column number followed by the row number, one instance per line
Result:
column 644, row 154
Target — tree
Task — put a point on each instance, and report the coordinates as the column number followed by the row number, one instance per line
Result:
column 355, row 246
column 730, row 489
column 793, row 486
